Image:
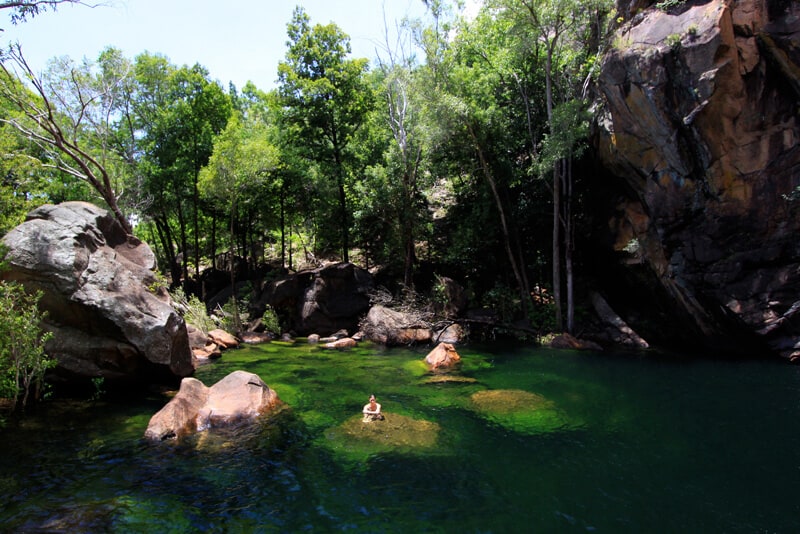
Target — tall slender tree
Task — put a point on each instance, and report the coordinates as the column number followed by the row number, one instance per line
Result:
column 242, row 162
column 402, row 115
column 326, row 100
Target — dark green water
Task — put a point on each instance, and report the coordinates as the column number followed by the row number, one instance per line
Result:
column 608, row 443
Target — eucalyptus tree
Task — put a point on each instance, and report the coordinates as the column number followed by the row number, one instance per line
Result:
column 326, row 99
column 22, row 10
column 285, row 187
column 243, row 161
column 468, row 111
column 553, row 34
column 403, row 107
column 68, row 113
column 179, row 111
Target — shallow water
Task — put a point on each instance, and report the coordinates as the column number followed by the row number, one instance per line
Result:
column 527, row 440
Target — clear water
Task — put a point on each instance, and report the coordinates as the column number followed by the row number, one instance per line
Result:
column 578, row 442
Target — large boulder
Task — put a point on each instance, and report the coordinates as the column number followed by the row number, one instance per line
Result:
column 95, row 281
column 324, row 300
column 699, row 124
column 239, row 398
column 391, row 327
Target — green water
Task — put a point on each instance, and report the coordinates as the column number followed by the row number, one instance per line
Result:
column 528, row 440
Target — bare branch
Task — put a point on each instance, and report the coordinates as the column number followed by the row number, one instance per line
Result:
column 71, row 156
column 25, row 9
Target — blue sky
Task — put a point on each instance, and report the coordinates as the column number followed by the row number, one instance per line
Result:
column 242, row 41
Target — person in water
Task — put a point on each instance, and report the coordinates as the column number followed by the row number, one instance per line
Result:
column 372, row 410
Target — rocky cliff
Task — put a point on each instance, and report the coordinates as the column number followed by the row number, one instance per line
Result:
column 699, row 121
column 95, row 281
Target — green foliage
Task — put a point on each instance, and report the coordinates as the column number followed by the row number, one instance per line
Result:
column 24, row 11
column 270, row 321
column 99, row 388
column 192, row 310
column 541, row 314
column 233, row 315
column 568, row 138
column 423, row 160
column 23, row 362
column 667, row 5
column 504, row 301
column 674, row 40
column 325, row 100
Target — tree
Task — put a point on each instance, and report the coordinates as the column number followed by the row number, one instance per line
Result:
column 242, row 161
column 405, row 158
column 178, row 111
column 326, row 99
column 559, row 28
column 468, row 108
column 67, row 115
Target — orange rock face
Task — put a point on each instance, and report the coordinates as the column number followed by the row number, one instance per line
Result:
column 443, row 356
column 238, row 398
column 341, row 344
column 700, row 120
column 223, row 339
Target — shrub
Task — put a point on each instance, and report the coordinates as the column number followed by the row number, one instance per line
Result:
column 192, row 310
column 270, row 321
column 674, row 40
column 233, row 315
column 667, row 5
column 23, row 362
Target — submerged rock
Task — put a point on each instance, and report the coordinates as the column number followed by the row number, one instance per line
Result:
column 568, row 341
column 450, row 379
column 518, row 410
column 396, row 433
column 239, row 398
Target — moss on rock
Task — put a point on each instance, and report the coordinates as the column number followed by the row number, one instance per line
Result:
column 397, row 433
column 518, row 410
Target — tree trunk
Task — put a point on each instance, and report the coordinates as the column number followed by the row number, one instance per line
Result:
column 559, row 319
column 283, row 226
column 517, row 264
column 237, row 321
column 195, row 216
column 569, row 245
column 213, row 239
column 184, row 242
column 167, row 242
column 343, row 214
column 407, row 231
column 337, row 157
